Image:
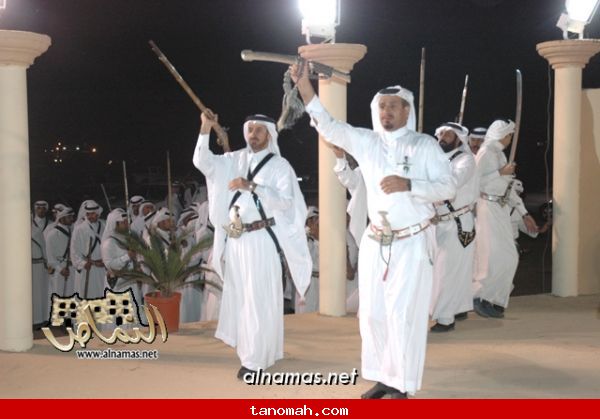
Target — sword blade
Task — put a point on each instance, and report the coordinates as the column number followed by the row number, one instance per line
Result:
column 515, row 140
column 463, row 101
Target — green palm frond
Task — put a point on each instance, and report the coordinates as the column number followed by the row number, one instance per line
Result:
column 166, row 267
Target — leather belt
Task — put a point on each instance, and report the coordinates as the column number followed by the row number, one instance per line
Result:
column 452, row 215
column 386, row 237
column 258, row 225
column 492, row 198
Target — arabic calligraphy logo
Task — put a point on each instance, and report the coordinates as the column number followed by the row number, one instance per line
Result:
column 115, row 309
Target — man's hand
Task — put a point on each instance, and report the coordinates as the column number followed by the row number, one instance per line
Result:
column 132, row 254
column 208, row 119
column 544, row 228
column 299, row 74
column 339, row 152
column 98, row 264
column 393, row 183
column 530, row 224
column 65, row 272
column 88, row 265
column 240, row 183
column 509, row 169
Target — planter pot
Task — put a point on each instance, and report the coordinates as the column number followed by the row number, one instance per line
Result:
column 168, row 307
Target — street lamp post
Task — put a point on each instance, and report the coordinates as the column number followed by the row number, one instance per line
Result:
column 332, row 196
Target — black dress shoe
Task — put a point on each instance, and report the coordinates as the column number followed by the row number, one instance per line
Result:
column 491, row 310
column 243, row 371
column 380, row 390
column 461, row 316
column 440, row 328
column 478, row 308
column 498, row 308
column 398, row 395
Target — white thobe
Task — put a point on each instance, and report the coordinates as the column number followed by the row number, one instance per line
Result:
column 352, row 284
column 394, row 312
column 39, row 275
column 357, row 206
column 251, row 313
column 517, row 212
column 116, row 258
column 496, row 254
column 310, row 302
column 453, row 267
column 138, row 225
column 191, row 294
column 211, row 296
column 87, row 236
column 58, row 249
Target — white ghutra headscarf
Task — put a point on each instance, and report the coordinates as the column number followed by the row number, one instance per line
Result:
column 401, row 92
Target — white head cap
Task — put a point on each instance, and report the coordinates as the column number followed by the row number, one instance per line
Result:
column 161, row 215
column 115, row 216
column 41, row 204
column 312, row 212
column 401, row 92
column 271, row 126
column 461, row 132
column 478, row 133
column 136, row 200
column 499, row 129
column 88, row 206
column 518, row 186
column 64, row 212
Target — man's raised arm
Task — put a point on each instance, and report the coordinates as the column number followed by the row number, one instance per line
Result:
column 204, row 158
column 335, row 132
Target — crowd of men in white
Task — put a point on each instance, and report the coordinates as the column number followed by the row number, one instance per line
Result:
column 470, row 247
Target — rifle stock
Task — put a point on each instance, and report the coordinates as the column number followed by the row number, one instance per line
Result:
column 316, row 67
column 222, row 137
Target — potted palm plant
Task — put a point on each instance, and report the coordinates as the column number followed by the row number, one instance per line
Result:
column 165, row 267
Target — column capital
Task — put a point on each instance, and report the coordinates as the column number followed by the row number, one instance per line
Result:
column 22, row 48
column 339, row 56
column 569, row 53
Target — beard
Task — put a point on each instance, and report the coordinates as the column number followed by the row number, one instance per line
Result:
column 448, row 147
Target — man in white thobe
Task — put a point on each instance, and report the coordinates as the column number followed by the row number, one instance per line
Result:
column 452, row 294
column 138, row 225
column 86, row 254
column 133, row 208
column 310, row 302
column 39, row 273
column 211, row 296
column 476, row 139
column 56, row 208
column 116, row 258
column 259, row 190
column 58, row 243
column 191, row 294
column 496, row 254
column 404, row 173
column 352, row 180
column 517, row 212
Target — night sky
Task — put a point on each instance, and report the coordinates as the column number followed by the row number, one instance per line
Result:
column 100, row 84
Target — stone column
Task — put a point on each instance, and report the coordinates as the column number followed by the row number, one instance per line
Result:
column 332, row 196
column 17, row 52
column 567, row 58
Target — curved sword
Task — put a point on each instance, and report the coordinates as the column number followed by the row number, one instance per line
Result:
column 515, row 140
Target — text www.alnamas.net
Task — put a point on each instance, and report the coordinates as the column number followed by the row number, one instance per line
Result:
column 117, row 354
column 297, row 378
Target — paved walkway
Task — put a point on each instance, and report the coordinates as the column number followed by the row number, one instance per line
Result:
column 546, row 347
